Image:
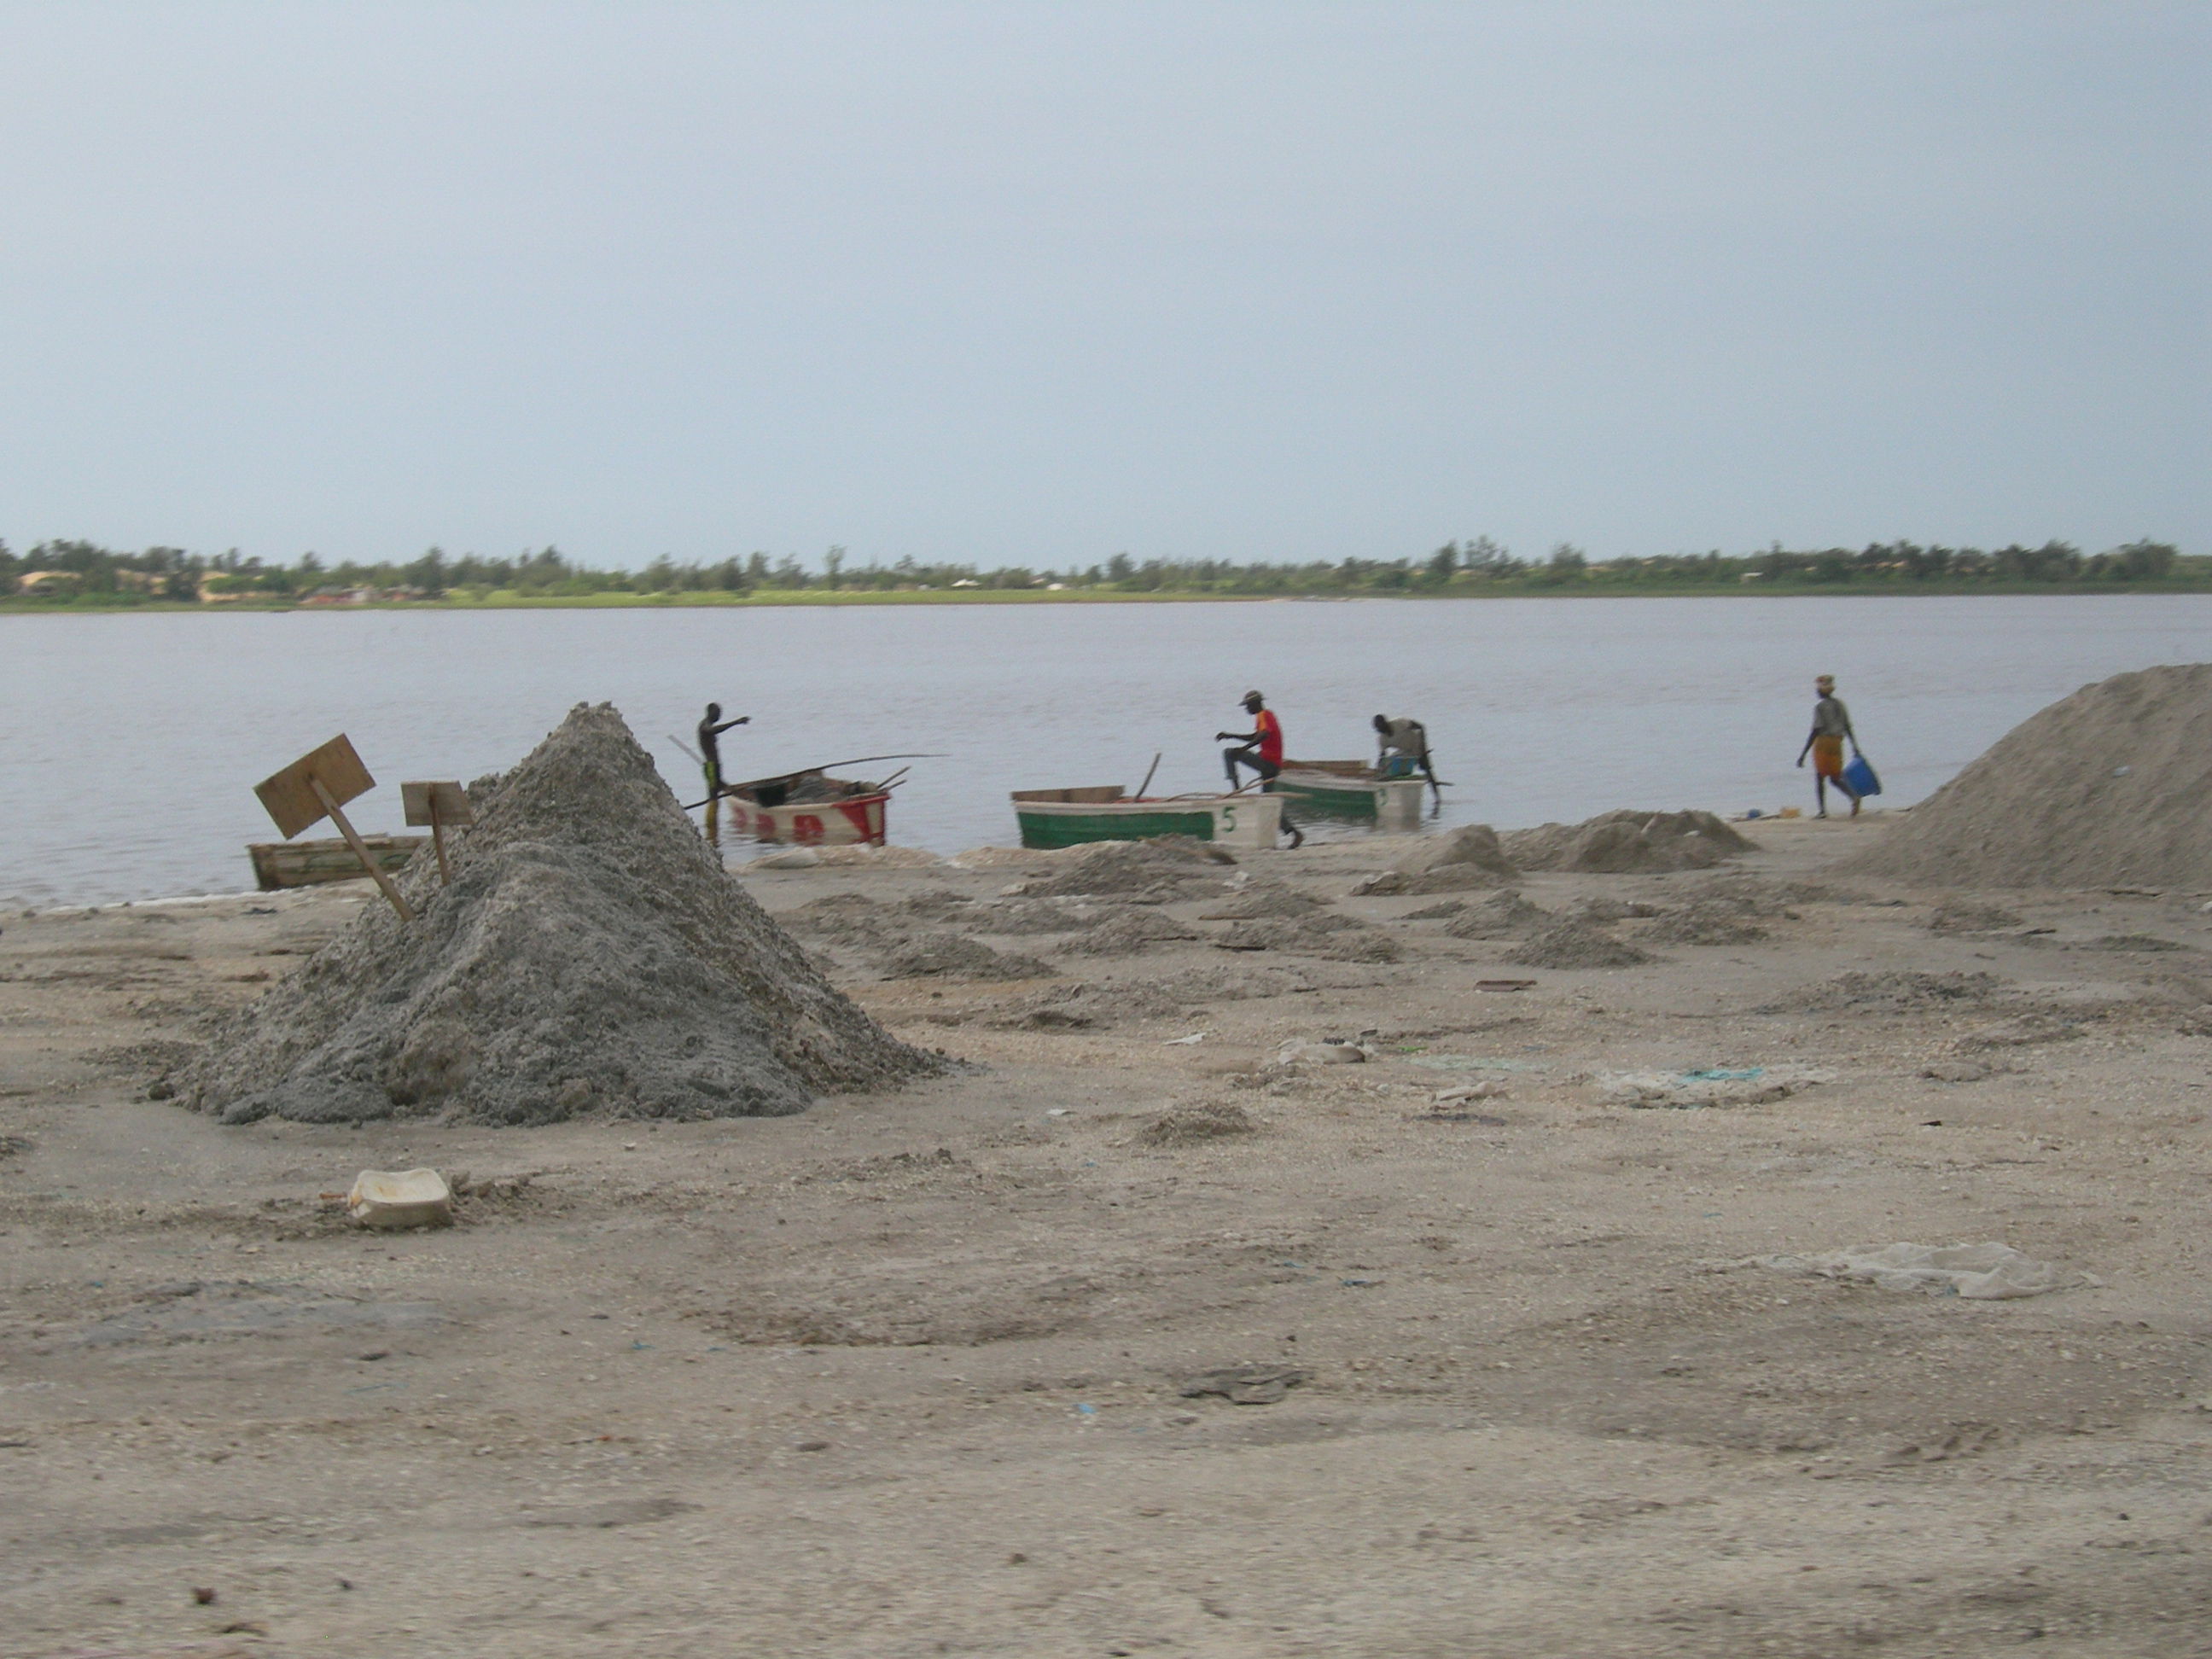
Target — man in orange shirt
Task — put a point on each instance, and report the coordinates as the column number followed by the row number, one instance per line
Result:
column 1260, row 749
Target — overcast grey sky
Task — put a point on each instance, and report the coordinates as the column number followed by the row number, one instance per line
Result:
column 1036, row 283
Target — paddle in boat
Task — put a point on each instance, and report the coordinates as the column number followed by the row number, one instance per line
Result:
column 1350, row 791
column 1067, row 818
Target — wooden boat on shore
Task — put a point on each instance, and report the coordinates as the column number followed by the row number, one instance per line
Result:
column 1069, row 817
column 807, row 809
column 279, row 864
column 1351, row 791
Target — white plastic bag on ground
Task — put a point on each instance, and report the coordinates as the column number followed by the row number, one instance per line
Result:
column 393, row 1198
column 1750, row 1086
column 791, row 858
column 1981, row 1273
column 1340, row 1053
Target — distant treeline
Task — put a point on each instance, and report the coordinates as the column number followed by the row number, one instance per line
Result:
column 81, row 573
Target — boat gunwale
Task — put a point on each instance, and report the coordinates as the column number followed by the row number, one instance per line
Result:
column 1128, row 805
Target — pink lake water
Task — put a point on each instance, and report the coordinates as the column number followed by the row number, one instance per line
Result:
column 131, row 743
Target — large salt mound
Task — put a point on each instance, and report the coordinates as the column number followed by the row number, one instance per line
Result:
column 2108, row 785
column 589, row 957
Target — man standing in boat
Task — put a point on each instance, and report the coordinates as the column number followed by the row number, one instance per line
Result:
column 1404, row 751
column 1260, row 749
column 710, row 760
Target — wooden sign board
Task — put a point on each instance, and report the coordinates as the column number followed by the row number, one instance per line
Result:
column 442, row 804
column 319, row 784
column 291, row 797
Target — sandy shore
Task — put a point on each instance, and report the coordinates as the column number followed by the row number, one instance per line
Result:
column 904, row 1374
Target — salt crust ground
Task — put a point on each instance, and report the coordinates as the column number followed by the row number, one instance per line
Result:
column 901, row 1375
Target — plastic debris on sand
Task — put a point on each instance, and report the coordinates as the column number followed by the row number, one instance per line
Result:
column 861, row 855
column 787, row 858
column 1712, row 1085
column 1326, row 1052
column 1244, row 1385
column 1978, row 1272
column 396, row 1200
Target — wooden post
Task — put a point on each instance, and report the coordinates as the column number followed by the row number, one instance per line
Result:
column 353, row 839
column 437, row 804
column 438, row 841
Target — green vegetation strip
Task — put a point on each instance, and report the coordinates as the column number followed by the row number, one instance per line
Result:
column 80, row 575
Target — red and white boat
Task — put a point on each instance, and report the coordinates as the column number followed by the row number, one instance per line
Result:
column 807, row 809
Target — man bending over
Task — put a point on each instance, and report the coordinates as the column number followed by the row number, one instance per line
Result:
column 1404, row 744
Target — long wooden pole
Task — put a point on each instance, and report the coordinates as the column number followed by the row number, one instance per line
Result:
column 359, row 849
column 792, row 777
column 800, row 772
column 1149, row 771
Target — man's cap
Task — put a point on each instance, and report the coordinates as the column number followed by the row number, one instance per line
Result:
column 1251, row 697
column 1825, row 679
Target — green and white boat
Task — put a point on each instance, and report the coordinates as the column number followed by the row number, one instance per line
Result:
column 1069, row 817
column 1351, row 792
